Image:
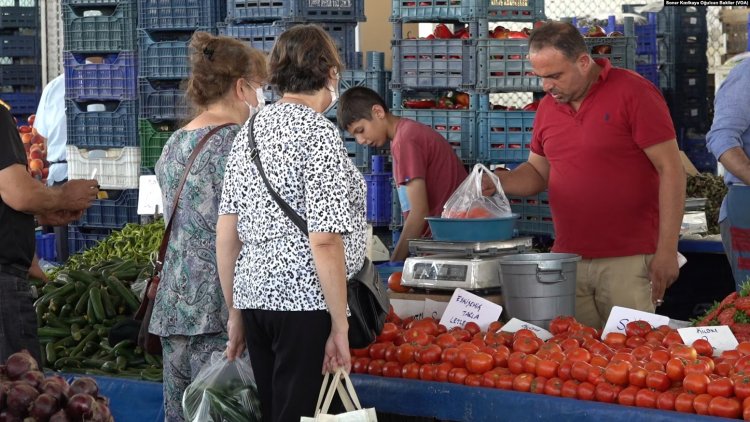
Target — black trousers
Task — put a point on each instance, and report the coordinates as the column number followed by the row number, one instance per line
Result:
column 18, row 326
column 286, row 352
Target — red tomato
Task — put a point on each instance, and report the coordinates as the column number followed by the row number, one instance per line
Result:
column 377, row 350
column 617, row 373
column 537, row 385
column 494, row 326
column 490, row 378
column 473, row 380
column 472, row 327
column 460, row 360
column 627, row 395
column 375, row 367
column 578, row 354
column 570, row 389
column 547, row 368
column 405, row 353
column 580, row 371
column 446, row 340
column 416, row 336
column 529, row 364
column 703, row 347
column 563, row 371
column 678, row 350
column 394, row 283
column 637, row 328
column 614, row 339
column 457, row 375
column 479, row 363
column 675, row 369
column 525, row 344
column 684, row 403
column 505, row 382
column 623, row 357
column 723, row 368
column 389, row 333
column 522, row 382
column 411, row 370
column 731, row 354
column 653, row 366
column 695, row 383
column 606, row 392
column 654, row 337
column 743, row 348
column 390, row 354
column 460, row 334
column 723, row 387
column 698, row 366
column 428, row 354
column 449, row 354
column 560, row 324
column 361, row 353
column 515, row 362
column 646, row 397
column 673, row 337
column 586, row 391
column 569, row 344
column 596, row 375
column 553, row 387
column 742, row 387
column 725, row 407
column 661, row 356
column 658, row 381
column 709, row 362
column 359, row 366
column 666, row 400
column 500, row 356
column 442, row 371
column 642, row 352
column 392, row 370
column 701, row 403
column 635, row 341
column 524, row 332
column 600, row 361
column 428, row 372
column 637, row 376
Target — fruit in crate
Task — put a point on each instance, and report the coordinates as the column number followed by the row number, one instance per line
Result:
column 596, row 31
column 35, row 146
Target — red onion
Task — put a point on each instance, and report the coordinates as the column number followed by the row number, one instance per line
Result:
column 33, row 378
column 80, row 407
column 20, row 397
column 60, row 416
column 84, row 385
column 44, row 407
column 19, row 364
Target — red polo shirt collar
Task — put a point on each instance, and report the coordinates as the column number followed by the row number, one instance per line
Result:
column 603, row 75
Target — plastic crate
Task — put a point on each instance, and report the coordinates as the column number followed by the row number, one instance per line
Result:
column 162, row 100
column 21, row 103
column 19, row 14
column 619, row 50
column 378, row 199
column 688, row 49
column 45, row 246
column 113, row 127
column 117, row 168
column 385, row 269
column 19, row 46
column 113, row 31
column 359, row 154
column 20, row 75
column 397, row 217
column 261, row 36
column 463, row 10
column 536, row 216
column 185, row 15
column 685, row 18
column 434, row 64
column 503, row 65
column 153, row 137
column 113, row 79
column 163, row 55
column 80, row 238
column 688, row 80
column 504, row 136
column 114, row 213
column 649, row 71
column 306, row 10
column 375, row 80
column 645, row 34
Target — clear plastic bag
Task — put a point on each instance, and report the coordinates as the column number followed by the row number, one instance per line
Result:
column 223, row 391
column 468, row 202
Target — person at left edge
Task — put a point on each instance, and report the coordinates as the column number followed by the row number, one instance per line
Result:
column 21, row 198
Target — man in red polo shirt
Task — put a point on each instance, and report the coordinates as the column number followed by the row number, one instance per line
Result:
column 604, row 147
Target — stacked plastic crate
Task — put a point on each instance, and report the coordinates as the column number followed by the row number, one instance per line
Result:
column 20, row 68
column 164, row 31
column 682, row 39
column 99, row 61
column 646, row 50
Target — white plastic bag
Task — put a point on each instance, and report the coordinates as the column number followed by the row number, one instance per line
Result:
column 223, row 391
column 340, row 383
column 468, row 202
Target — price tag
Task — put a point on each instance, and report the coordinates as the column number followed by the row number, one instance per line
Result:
column 720, row 337
column 516, row 324
column 149, row 196
column 434, row 309
column 408, row 308
column 467, row 307
column 619, row 318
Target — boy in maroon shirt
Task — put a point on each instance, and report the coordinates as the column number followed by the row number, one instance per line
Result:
column 425, row 168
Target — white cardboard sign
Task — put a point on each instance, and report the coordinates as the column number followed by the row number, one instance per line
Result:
column 720, row 337
column 516, row 324
column 149, row 196
column 408, row 308
column 434, row 309
column 619, row 318
column 467, row 307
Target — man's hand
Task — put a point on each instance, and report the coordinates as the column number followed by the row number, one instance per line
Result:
column 79, row 193
column 59, row 218
column 662, row 272
column 488, row 187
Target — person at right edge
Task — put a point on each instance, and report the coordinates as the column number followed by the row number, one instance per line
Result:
column 286, row 291
column 21, row 199
column 604, row 147
column 729, row 141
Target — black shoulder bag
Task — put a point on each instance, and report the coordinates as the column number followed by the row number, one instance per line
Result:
column 366, row 295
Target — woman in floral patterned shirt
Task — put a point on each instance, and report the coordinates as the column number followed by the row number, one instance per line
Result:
column 189, row 311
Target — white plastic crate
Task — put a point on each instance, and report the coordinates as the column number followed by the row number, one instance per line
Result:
column 116, row 168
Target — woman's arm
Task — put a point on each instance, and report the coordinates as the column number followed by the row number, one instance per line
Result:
column 228, row 247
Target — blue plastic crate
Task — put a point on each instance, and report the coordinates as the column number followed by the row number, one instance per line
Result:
column 645, row 34
column 163, row 55
column 684, row 18
column 22, row 14
column 113, row 31
column 458, row 126
column 21, row 103
column 649, row 71
column 619, row 50
column 690, row 81
column 504, row 136
column 113, row 79
column 21, row 75
column 687, row 49
column 359, row 154
column 45, row 246
column 375, row 80
column 397, row 217
column 114, row 127
column 162, row 100
column 385, row 269
column 463, row 10
column 503, row 65
column 184, row 15
column 378, row 199
column 434, row 64
column 19, row 46
column 305, row 10
column 536, row 216
column 114, row 213
column 82, row 238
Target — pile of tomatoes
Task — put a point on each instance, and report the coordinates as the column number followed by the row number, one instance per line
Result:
column 645, row 367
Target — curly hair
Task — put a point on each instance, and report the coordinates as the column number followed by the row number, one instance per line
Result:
column 216, row 62
column 302, row 58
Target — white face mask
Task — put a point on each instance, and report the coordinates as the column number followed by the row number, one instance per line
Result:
column 261, row 101
column 334, row 95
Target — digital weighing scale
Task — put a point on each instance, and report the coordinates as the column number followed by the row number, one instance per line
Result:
column 469, row 265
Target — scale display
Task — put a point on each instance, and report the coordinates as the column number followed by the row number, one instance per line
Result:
column 445, row 272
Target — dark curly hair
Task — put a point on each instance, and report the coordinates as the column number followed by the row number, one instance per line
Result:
column 216, row 62
column 302, row 58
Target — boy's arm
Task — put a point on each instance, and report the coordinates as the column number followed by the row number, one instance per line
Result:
column 416, row 191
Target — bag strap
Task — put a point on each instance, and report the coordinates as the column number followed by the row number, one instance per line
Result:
column 255, row 156
column 348, row 397
column 168, row 231
column 323, row 389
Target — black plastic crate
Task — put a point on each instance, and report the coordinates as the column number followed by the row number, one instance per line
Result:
column 688, row 113
column 22, row 14
column 686, row 18
column 112, row 79
column 684, row 80
column 182, row 15
column 19, row 46
column 306, row 10
column 112, row 31
column 21, row 75
column 162, row 100
column 683, row 48
column 108, row 124
column 163, row 55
